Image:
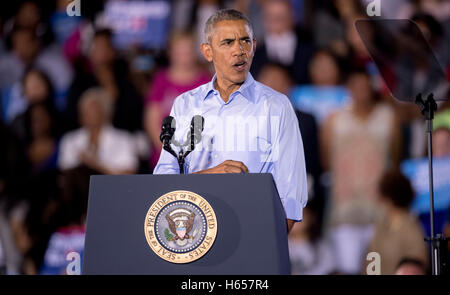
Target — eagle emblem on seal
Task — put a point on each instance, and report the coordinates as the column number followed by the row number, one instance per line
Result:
column 181, row 222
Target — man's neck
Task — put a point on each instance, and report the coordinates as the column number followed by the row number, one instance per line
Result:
column 225, row 89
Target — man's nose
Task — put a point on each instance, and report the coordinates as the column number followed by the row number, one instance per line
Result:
column 238, row 49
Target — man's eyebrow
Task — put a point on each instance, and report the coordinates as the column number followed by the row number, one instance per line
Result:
column 227, row 40
column 232, row 39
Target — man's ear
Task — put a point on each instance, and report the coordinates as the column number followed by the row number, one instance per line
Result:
column 207, row 51
column 254, row 44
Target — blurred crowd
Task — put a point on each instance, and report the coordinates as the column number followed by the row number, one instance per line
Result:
column 74, row 104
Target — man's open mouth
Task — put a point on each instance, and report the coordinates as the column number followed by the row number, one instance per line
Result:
column 240, row 66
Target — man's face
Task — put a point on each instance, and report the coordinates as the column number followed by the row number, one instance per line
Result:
column 277, row 17
column 231, row 50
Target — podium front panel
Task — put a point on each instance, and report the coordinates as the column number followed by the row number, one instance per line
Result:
column 251, row 225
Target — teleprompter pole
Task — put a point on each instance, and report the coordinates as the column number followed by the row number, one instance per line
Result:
column 438, row 242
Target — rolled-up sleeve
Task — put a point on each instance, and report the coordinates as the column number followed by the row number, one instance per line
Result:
column 167, row 164
column 289, row 170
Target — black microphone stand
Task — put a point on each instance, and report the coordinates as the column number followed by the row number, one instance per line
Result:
column 439, row 248
column 181, row 154
column 181, row 157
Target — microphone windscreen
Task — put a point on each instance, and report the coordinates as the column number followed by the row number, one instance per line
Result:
column 198, row 123
column 168, row 121
column 167, row 128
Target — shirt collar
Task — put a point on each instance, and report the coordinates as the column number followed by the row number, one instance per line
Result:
column 244, row 90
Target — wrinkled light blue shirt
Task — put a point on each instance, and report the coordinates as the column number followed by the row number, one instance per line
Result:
column 257, row 126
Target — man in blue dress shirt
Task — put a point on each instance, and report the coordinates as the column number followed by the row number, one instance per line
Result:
column 249, row 127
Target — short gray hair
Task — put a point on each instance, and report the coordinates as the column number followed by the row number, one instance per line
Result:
column 222, row 15
column 100, row 96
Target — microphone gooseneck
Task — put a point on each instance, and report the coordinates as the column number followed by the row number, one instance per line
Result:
column 193, row 137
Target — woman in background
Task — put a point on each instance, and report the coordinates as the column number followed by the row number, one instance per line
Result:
column 359, row 143
column 35, row 88
column 398, row 235
column 183, row 74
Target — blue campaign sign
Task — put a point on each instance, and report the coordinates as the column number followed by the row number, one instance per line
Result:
column 319, row 101
column 417, row 172
column 145, row 23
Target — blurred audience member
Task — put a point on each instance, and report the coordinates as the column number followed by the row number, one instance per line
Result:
column 309, row 253
column 398, row 233
column 184, row 73
column 66, row 240
column 358, row 55
column 418, row 72
column 13, row 173
column 26, row 52
column 411, row 267
column 13, row 163
column 324, row 69
column 29, row 16
column 182, row 14
column 35, row 88
column 42, row 137
column 441, row 134
column 277, row 77
column 32, row 216
column 24, row 49
column 326, row 93
column 440, row 9
column 68, row 237
column 282, row 43
column 32, row 221
column 40, row 49
column 441, row 148
column 329, row 25
column 106, row 70
column 95, row 148
column 358, row 144
column 205, row 8
column 435, row 35
column 446, row 231
column 253, row 9
column 62, row 24
column 97, row 144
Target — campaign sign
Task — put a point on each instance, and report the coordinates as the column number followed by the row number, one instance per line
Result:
column 319, row 101
column 417, row 172
column 145, row 23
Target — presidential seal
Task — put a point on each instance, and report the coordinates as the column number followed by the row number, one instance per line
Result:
column 180, row 226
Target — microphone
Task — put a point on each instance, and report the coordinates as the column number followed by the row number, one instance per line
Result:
column 197, row 125
column 193, row 137
column 167, row 129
